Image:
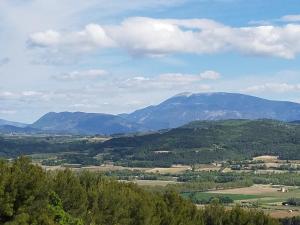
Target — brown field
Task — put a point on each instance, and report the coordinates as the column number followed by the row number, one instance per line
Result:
column 282, row 213
column 109, row 167
column 275, row 213
column 266, row 158
column 173, row 170
column 273, row 165
column 96, row 139
column 269, row 198
column 207, row 167
column 161, row 183
column 227, row 170
column 52, row 168
column 253, row 190
column 102, row 168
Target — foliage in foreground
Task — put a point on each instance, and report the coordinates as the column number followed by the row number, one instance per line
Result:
column 29, row 195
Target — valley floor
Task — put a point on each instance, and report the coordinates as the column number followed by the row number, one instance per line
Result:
column 190, row 180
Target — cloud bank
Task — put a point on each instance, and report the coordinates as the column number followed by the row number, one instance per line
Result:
column 273, row 87
column 91, row 74
column 159, row 37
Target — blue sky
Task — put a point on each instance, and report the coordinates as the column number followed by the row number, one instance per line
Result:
column 115, row 57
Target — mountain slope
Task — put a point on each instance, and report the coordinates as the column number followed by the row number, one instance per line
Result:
column 8, row 129
column 10, row 123
column 206, row 141
column 295, row 122
column 187, row 107
column 174, row 112
column 84, row 123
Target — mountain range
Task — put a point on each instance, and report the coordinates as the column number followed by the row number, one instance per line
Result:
column 85, row 123
column 186, row 107
column 10, row 123
column 174, row 112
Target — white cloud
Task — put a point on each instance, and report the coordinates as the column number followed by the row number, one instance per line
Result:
column 179, row 78
column 273, row 87
column 141, row 78
column 31, row 93
column 83, row 105
column 158, row 37
column 291, row 18
column 110, row 89
column 114, row 94
column 8, row 112
column 92, row 37
column 21, row 94
column 170, row 81
column 284, row 19
column 81, row 75
column 210, row 75
column 5, row 94
column 47, row 38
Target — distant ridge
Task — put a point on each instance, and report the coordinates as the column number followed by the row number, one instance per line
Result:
column 10, row 123
column 8, row 129
column 173, row 112
column 186, row 107
column 296, row 122
column 84, row 123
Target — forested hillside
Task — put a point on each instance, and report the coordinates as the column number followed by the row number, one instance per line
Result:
column 14, row 146
column 29, row 195
column 207, row 141
column 197, row 142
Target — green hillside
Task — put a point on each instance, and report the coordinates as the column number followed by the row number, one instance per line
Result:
column 207, row 141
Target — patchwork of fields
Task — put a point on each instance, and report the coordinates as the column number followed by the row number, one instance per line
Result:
column 266, row 197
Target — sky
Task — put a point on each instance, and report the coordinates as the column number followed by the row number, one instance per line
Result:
column 118, row 56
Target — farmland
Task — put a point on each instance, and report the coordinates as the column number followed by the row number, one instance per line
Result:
column 252, row 182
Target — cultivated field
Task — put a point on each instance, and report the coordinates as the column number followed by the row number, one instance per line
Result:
column 253, row 190
column 161, row 183
column 266, row 197
column 282, row 213
column 172, row 170
column 266, row 158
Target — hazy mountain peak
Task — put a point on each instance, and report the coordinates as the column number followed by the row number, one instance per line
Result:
column 173, row 112
column 183, row 94
column 207, row 94
column 186, row 107
column 84, row 123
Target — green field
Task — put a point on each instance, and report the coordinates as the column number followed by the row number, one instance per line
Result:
column 206, row 196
